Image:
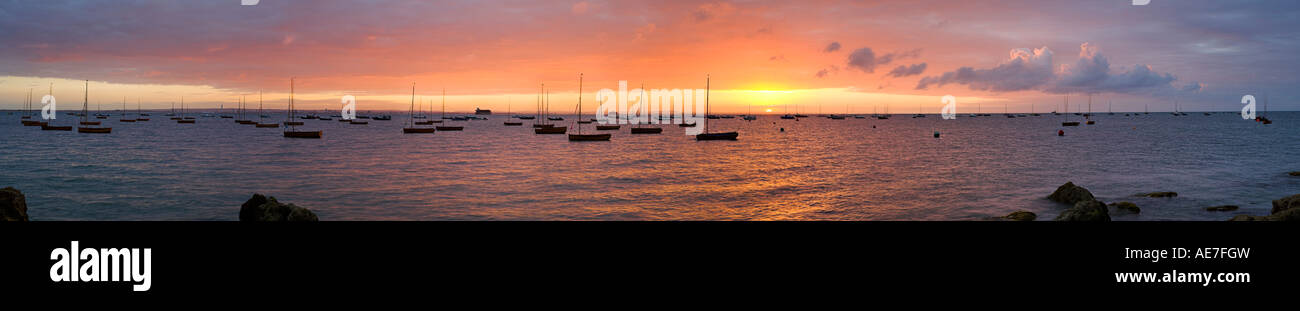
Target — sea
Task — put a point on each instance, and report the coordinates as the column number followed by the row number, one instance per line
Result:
column 812, row 168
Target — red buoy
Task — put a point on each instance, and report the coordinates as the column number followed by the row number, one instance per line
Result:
column 1060, row 132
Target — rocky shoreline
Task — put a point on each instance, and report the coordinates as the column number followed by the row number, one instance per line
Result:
column 13, row 207
column 1083, row 206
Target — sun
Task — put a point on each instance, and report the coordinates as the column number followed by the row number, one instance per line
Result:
column 769, row 109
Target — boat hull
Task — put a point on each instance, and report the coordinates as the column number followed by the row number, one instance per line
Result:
column 450, row 128
column 1069, row 123
column 302, row 134
column 589, row 137
column 607, row 127
column 48, row 127
column 514, row 123
column 38, row 123
column 686, row 125
column 292, row 123
column 95, row 130
column 717, row 136
column 185, row 121
column 268, row 125
column 417, row 130
column 551, row 130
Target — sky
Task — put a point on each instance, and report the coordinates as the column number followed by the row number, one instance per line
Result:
column 788, row 56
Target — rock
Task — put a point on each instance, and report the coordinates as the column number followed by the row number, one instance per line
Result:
column 1127, row 206
column 1017, row 216
column 1222, row 208
column 13, row 205
column 1286, row 203
column 1071, row 194
column 1164, row 194
column 1250, row 218
column 262, row 208
column 1284, row 209
column 1085, row 211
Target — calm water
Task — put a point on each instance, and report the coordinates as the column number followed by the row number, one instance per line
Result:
column 817, row 169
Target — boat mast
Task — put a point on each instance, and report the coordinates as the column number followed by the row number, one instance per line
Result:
column 579, row 121
column 706, row 104
column 85, row 103
column 412, row 109
column 444, row 103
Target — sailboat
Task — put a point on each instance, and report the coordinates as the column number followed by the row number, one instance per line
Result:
column 712, row 136
column 243, row 117
column 1261, row 118
column 140, row 116
column 580, row 136
column 412, row 129
column 427, row 119
column 29, row 111
column 638, row 129
column 124, row 118
column 27, row 107
column 541, row 119
column 1067, row 113
column 548, row 128
column 288, row 120
column 85, row 107
column 1089, row 115
column 444, row 112
column 290, row 130
column 606, row 127
column 184, row 119
column 508, row 123
column 173, row 113
column 261, row 116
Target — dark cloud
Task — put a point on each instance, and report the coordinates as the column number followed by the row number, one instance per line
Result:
column 1032, row 70
column 904, row 70
column 866, row 60
column 827, row 71
column 1092, row 74
column 834, row 46
column 1025, row 70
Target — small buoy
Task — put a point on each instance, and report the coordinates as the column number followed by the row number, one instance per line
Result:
column 783, row 129
column 873, row 126
column 1060, row 132
column 936, row 134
